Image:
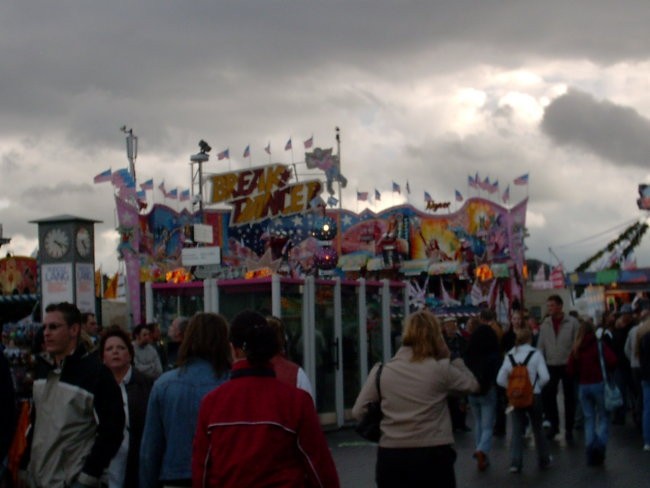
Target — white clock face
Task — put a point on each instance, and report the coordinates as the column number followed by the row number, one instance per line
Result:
column 83, row 242
column 56, row 243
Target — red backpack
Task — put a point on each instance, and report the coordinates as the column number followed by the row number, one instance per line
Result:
column 520, row 390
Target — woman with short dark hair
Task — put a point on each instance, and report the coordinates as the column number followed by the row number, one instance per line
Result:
column 116, row 352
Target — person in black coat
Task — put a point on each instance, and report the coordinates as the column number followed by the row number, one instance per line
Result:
column 7, row 411
column 117, row 353
column 483, row 358
column 457, row 345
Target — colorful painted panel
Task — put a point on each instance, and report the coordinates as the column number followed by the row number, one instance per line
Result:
column 399, row 237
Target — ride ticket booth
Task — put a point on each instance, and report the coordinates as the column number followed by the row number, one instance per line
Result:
column 336, row 329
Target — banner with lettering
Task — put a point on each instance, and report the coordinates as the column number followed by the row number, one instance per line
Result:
column 256, row 194
column 56, row 284
column 85, row 283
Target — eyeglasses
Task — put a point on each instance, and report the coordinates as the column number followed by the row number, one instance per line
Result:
column 52, row 327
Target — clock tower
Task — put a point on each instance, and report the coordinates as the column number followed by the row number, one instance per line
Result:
column 67, row 261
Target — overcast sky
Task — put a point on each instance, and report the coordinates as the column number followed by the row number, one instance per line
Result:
column 425, row 91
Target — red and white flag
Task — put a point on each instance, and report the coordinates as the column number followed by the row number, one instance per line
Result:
column 557, row 276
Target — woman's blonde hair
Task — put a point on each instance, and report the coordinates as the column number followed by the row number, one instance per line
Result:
column 586, row 326
column 523, row 335
column 422, row 332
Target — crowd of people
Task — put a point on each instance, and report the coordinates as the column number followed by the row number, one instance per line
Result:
column 221, row 405
column 230, row 409
column 443, row 370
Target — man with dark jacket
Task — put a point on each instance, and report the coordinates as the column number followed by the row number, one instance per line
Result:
column 79, row 415
column 7, row 411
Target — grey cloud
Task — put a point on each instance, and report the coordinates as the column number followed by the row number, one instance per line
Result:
column 238, row 73
column 157, row 57
column 56, row 191
column 614, row 132
column 9, row 162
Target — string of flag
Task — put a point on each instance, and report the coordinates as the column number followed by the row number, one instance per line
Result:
column 125, row 183
column 307, row 144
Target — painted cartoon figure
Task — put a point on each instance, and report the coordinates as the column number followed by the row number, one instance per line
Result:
column 390, row 242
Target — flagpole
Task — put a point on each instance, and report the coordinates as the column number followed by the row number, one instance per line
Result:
column 527, row 184
column 338, row 150
column 292, row 162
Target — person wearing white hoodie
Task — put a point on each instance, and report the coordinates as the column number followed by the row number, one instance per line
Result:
column 539, row 376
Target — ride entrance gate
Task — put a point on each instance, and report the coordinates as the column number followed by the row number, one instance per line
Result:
column 336, row 329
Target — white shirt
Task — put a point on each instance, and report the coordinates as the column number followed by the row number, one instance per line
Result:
column 537, row 370
column 302, row 382
column 117, row 469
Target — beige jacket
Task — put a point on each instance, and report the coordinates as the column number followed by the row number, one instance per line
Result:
column 556, row 348
column 414, row 399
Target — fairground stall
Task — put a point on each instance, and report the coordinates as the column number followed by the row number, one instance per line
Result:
column 341, row 281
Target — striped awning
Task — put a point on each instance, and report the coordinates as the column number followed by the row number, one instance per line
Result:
column 25, row 298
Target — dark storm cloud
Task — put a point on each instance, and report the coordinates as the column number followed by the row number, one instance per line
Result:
column 614, row 132
column 83, row 66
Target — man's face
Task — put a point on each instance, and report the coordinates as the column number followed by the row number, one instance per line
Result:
column 553, row 308
column 155, row 333
column 60, row 339
column 173, row 333
column 143, row 338
column 91, row 325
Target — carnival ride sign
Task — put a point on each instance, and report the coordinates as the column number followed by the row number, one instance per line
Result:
column 260, row 193
column 435, row 206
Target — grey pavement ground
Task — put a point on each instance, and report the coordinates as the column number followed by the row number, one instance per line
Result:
column 627, row 465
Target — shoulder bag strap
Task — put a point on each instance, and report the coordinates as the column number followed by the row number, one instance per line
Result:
column 381, row 366
column 530, row 355
column 602, row 361
column 526, row 361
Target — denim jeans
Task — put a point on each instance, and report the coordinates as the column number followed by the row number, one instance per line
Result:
column 592, row 399
column 484, row 408
column 519, row 416
column 646, row 412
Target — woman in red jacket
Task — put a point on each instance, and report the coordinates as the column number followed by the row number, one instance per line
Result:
column 255, row 430
column 584, row 363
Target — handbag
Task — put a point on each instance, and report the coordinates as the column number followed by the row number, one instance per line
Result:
column 613, row 396
column 368, row 427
